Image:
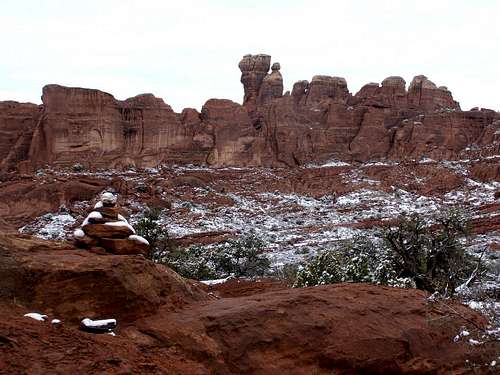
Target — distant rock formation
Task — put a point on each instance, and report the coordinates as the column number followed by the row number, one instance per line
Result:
column 319, row 120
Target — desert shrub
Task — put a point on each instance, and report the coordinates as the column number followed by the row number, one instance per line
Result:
column 286, row 273
column 155, row 233
column 194, row 263
column 410, row 254
column 357, row 260
column 431, row 255
column 242, row 257
column 77, row 168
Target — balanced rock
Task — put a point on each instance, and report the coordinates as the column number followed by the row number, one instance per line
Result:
column 107, row 228
column 272, row 85
column 253, row 70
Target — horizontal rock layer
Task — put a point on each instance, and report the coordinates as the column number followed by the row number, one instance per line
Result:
column 319, row 120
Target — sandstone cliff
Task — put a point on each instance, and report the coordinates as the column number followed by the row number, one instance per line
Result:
column 317, row 121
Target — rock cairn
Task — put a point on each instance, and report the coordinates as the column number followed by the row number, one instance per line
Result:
column 105, row 227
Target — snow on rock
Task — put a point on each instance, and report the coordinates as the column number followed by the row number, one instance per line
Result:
column 50, row 226
column 78, row 233
column 98, row 326
column 120, row 224
column 296, row 226
column 217, row 281
column 98, row 205
column 122, row 218
column 55, row 321
column 331, row 163
column 108, row 198
column 135, row 237
column 98, row 323
column 36, row 316
column 93, row 215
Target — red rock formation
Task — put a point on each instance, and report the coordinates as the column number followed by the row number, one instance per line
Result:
column 17, row 122
column 425, row 95
column 167, row 324
column 318, row 121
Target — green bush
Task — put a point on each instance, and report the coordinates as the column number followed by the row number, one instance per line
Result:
column 155, row 233
column 77, row 168
column 358, row 260
column 242, row 257
column 410, row 254
column 192, row 263
column 432, row 255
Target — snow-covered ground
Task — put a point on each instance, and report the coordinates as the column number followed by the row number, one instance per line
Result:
column 294, row 226
column 51, row 226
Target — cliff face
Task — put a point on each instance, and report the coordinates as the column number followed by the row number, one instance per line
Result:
column 317, row 121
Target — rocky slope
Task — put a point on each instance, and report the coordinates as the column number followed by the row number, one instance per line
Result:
column 170, row 325
column 297, row 212
column 314, row 122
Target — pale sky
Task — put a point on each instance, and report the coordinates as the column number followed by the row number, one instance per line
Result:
column 187, row 51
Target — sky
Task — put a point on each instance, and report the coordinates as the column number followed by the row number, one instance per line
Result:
column 188, row 51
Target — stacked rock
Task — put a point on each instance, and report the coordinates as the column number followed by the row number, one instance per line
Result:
column 105, row 227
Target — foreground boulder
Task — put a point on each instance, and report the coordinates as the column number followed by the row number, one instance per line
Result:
column 74, row 284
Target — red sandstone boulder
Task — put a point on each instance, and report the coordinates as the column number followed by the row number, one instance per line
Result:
column 112, row 230
column 124, row 246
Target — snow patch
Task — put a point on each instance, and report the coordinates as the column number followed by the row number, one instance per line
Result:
column 135, row 237
column 50, row 226
column 93, row 215
column 78, row 233
column 216, row 281
column 36, row 316
column 98, row 323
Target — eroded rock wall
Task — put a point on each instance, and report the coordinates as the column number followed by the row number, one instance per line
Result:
column 319, row 120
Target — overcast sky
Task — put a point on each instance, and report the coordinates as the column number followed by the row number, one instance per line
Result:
column 188, row 51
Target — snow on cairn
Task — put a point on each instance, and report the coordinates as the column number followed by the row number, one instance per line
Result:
column 93, row 215
column 78, row 233
column 108, row 198
column 135, row 237
column 120, row 224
